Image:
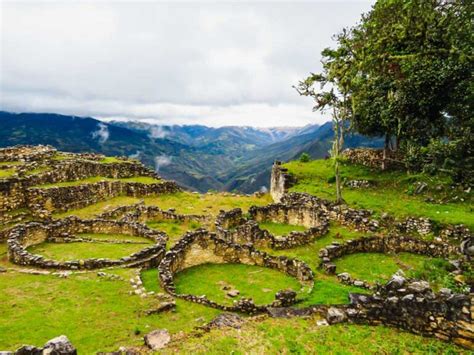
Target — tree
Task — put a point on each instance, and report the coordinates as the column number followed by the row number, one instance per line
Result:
column 414, row 64
column 333, row 94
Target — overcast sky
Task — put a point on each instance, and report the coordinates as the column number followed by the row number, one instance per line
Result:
column 169, row 63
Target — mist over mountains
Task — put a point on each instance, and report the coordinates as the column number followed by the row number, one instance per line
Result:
column 198, row 157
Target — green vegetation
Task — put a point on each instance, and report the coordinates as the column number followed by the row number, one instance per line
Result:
column 254, row 282
column 99, row 207
column 3, row 163
column 304, row 336
column 174, row 229
column 210, row 203
column 281, row 228
column 94, row 179
column 78, row 251
column 38, row 170
column 97, row 314
column 114, row 237
column 6, row 173
column 391, row 192
column 110, row 160
column 374, row 267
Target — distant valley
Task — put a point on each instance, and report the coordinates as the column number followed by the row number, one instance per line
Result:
column 199, row 158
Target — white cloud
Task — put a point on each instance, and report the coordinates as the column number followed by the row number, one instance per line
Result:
column 161, row 161
column 102, row 134
column 219, row 64
column 157, row 132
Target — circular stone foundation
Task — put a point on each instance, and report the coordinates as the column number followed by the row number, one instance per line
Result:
column 65, row 230
column 202, row 247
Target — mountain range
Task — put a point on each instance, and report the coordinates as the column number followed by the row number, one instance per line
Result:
column 198, row 157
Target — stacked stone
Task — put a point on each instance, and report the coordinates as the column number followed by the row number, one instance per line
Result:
column 26, row 235
column 26, row 152
column 142, row 213
column 358, row 184
column 232, row 227
column 412, row 305
column 372, row 158
column 422, row 226
column 280, row 182
column 202, row 246
column 387, row 244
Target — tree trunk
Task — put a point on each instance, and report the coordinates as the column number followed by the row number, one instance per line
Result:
column 338, row 183
column 385, row 150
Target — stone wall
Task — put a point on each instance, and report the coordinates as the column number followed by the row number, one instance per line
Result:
column 232, row 227
column 23, row 236
column 388, row 244
column 372, row 158
column 26, row 152
column 280, row 181
column 201, row 247
column 406, row 304
column 71, row 197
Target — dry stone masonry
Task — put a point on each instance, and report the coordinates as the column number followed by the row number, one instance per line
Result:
column 201, row 247
column 32, row 233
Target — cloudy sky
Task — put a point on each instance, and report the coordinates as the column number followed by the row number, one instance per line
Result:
column 171, row 63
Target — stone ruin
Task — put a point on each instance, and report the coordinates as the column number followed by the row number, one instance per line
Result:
column 21, row 190
column 233, row 227
column 64, row 231
column 201, row 246
column 404, row 303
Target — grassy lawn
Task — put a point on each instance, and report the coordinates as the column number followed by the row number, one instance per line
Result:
column 374, row 267
column 303, row 336
column 281, row 228
column 97, row 314
column 183, row 202
column 2, row 163
column 189, row 203
column 77, row 251
column 6, row 173
column 174, row 229
column 99, row 207
column 390, row 193
column 110, row 160
column 94, row 179
column 254, row 282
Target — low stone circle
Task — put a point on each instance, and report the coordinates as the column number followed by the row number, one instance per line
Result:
column 232, row 227
column 201, row 247
column 385, row 244
column 23, row 236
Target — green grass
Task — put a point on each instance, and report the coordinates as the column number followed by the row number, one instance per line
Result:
column 38, row 170
column 254, row 282
column 110, row 160
column 3, row 163
column 375, row 267
column 77, row 251
column 174, row 229
column 189, row 203
column 95, row 313
column 183, row 202
column 99, row 207
column 94, row 179
column 280, row 229
column 6, row 173
column 389, row 195
column 303, row 336
column 118, row 237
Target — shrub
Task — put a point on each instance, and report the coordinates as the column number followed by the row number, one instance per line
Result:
column 304, row 158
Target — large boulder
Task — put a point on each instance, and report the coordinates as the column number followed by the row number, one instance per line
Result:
column 157, row 339
column 59, row 346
